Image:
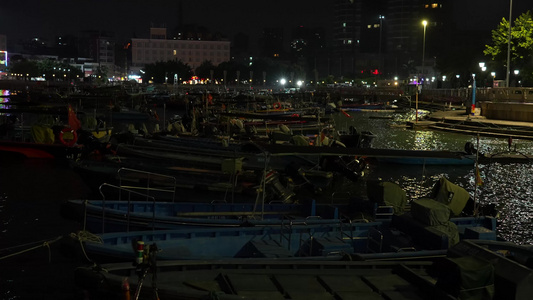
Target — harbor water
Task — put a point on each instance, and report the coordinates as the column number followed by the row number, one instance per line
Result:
column 32, row 191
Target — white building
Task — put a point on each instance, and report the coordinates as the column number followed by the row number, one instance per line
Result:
column 190, row 52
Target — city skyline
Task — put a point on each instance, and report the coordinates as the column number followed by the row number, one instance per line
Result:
column 128, row 19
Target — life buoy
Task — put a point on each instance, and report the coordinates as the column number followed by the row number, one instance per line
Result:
column 68, row 136
column 276, row 105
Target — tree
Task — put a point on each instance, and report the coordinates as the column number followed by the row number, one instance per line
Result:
column 27, row 68
column 157, row 72
column 204, row 70
column 521, row 45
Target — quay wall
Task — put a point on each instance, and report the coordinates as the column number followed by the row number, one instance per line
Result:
column 510, row 111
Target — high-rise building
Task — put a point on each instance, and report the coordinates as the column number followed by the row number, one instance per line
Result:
column 272, row 42
column 100, row 47
column 3, row 42
column 3, row 53
column 387, row 36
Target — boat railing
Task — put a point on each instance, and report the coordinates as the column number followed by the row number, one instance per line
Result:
column 375, row 241
column 286, row 231
column 129, row 193
column 168, row 183
column 335, row 196
column 383, row 212
column 346, row 234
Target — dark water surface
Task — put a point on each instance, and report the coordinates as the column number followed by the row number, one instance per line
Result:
column 32, row 191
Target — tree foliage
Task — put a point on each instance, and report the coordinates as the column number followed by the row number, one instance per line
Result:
column 521, row 44
column 159, row 71
column 45, row 67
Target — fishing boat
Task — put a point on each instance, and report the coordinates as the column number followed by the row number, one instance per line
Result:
column 468, row 270
column 229, row 181
column 430, row 230
column 462, row 159
column 126, row 215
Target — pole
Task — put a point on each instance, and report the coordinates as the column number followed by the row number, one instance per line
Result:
column 509, row 45
column 476, row 179
column 473, row 109
column 380, row 35
column 416, row 104
column 424, row 47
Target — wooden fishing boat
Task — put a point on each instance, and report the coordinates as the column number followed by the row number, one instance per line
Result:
column 469, row 269
column 138, row 172
column 126, row 215
column 297, row 239
column 465, row 159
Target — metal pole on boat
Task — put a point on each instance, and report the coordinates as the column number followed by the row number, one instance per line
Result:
column 416, row 105
column 476, row 179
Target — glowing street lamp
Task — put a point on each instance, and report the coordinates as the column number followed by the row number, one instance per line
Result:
column 424, row 23
column 380, row 34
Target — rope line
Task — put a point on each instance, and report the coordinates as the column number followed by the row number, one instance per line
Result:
column 44, row 244
column 82, row 236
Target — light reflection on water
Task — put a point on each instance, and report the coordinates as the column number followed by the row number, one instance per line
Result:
column 508, row 186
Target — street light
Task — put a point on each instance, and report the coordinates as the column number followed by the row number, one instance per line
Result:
column 424, row 23
column 380, row 33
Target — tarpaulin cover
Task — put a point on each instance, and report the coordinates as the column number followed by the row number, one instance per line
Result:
column 451, row 194
column 42, row 135
column 388, row 193
column 467, row 277
column 449, row 230
column 430, row 212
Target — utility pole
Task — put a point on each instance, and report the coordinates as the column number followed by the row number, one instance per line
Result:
column 509, row 45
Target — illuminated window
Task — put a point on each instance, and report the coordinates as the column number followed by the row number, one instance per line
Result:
column 434, row 5
column 376, row 25
column 349, row 42
column 344, row 24
column 174, row 52
column 369, row 26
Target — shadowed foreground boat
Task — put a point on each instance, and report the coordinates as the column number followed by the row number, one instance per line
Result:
column 121, row 215
column 293, row 239
column 469, row 270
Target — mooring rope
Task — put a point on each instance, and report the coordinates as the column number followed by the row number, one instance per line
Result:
column 45, row 243
column 82, row 236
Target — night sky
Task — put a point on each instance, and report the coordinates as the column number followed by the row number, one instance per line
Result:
column 24, row 19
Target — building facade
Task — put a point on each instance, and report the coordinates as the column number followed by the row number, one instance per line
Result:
column 3, row 53
column 386, row 37
column 3, row 42
column 190, row 52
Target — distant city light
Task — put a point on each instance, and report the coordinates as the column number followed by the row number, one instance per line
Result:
column 3, row 58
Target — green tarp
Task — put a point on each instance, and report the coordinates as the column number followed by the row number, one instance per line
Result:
column 452, row 195
column 387, row 193
column 430, row 212
column 467, row 277
column 42, row 135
